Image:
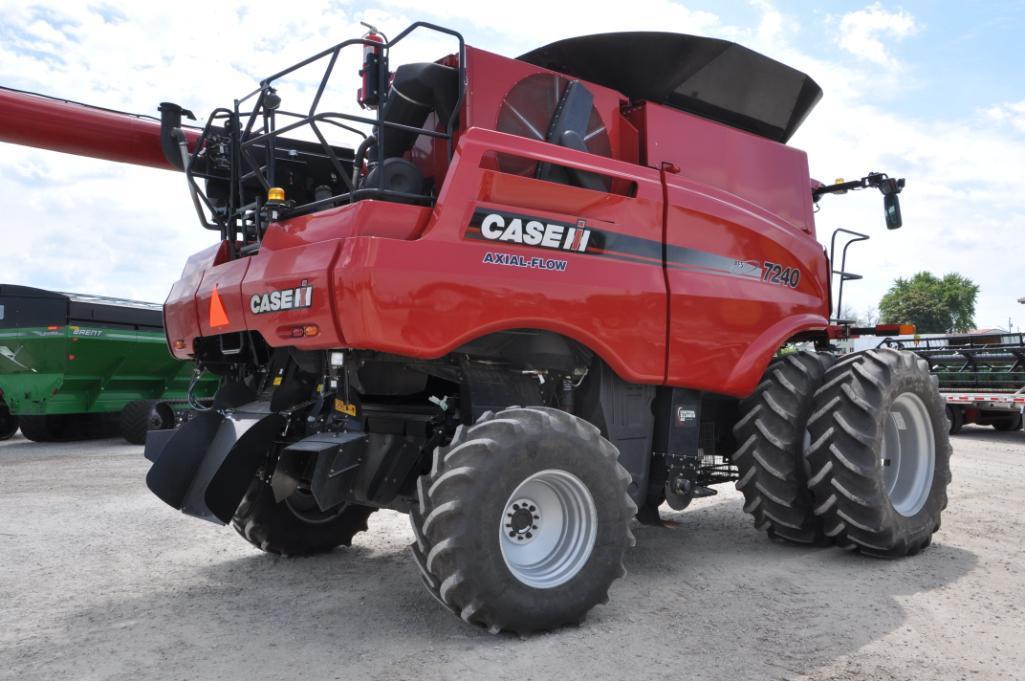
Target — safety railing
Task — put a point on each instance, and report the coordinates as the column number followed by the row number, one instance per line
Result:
column 232, row 140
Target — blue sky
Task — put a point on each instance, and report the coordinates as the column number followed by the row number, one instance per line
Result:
column 932, row 91
column 969, row 48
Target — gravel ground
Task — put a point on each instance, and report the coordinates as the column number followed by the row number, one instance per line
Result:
column 99, row 580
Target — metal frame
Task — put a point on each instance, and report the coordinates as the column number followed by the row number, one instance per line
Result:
column 245, row 219
column 971, row 366
column 844, row 274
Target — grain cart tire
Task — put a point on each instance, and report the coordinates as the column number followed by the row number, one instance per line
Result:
column 43, row 428
column 771, row 435
column 295, row 526
column 8, row 423
column 523, row 520
column 1008, row 423
column 68, row 427
column 879, row 457
column 956, row 418
column 141, row 416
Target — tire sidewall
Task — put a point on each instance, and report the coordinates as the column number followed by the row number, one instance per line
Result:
column 8, row 422
column 956, row 418
column 923, row 523
column 1010, row 423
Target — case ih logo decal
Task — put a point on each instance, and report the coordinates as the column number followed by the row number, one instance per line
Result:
column 530, row 231
column 526, row 230
column 287, row 299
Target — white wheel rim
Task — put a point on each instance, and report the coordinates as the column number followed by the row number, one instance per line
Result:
column 548, row 528
column 908, row 454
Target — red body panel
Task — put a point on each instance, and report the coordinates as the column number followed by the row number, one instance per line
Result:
column 365, row 218
column 767, row 175
column 734, row 196
column 671, row 289
column 226, row 278
column 181, row 313
column 427, row 297
column 83, row 130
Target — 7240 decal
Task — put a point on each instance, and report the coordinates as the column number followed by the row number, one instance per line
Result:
column 774, row 273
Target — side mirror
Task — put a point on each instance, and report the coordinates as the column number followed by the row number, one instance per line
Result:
column 891, row 206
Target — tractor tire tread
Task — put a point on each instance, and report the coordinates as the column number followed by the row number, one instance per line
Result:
column 771, row 429
column 844, row 473
column 438, row 517
column 272, row 526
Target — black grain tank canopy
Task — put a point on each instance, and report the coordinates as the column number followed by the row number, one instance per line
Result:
column 713, row 78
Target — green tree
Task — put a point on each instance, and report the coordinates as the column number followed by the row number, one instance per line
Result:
column 933, row 305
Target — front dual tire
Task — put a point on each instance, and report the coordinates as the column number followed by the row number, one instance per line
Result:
column 771, row 435
column 879, row 458
column 853, row 451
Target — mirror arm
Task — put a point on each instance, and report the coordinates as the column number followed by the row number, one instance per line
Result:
column 883, row 182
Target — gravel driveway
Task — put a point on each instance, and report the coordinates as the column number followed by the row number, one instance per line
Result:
column 100, row 580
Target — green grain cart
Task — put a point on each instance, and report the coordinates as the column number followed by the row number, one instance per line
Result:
column 77, row 366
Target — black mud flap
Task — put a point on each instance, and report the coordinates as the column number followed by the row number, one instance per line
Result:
column 205, row 467
column 156, row 440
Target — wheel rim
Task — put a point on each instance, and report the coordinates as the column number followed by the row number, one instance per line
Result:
column 548, row 529
column 908, row 454
column 303, row 506
column 155, row 421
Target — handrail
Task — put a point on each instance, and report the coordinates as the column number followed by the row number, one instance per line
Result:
column 858, row 236
column 245, row 135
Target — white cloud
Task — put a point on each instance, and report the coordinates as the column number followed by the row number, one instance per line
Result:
column 1011, row 113
column 862, row 32
column 525, row 24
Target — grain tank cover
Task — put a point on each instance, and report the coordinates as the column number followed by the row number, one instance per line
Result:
column 716, row 79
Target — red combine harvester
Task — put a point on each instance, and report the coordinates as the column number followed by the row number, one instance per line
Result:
column 532, row 300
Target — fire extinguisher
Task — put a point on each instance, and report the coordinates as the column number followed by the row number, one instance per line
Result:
column 369, row 96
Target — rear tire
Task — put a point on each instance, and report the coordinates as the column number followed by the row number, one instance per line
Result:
column 771, row 437
column 879, row 458
column 523, row 520
column 44, row 428
column 1008, row 424
column 956, row 418
column 295, row 526
column 8, row 423
column 68, row 427
column 141, row 416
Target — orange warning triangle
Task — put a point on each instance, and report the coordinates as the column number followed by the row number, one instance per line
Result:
column 218, row 317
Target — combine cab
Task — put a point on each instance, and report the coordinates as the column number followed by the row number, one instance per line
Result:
column 75, row 366
column 527, row 301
